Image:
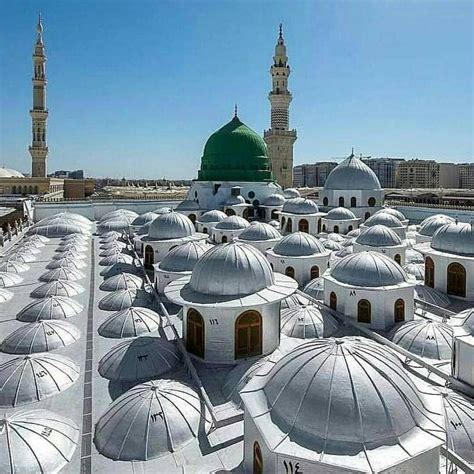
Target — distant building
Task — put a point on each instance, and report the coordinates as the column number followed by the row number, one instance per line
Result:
column 385, row 169
column 466, row 175
column 312, row 175
column 77, row 174
column 418, row 174
column 448, row 175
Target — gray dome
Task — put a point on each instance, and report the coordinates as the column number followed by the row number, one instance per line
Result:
column 383, row 218
column 67, row 216
column 124, row 431
column 340, row 214
column 300, row 206
column 42, row 336
column 115, row 258
column 336, row 237
column 51, row 307
column 464, row 320
column 76, row 238
column 28, row 248
column 144, row 229
column 162, row 210
column 62, row 274
column 370, row 269
column 417, row 270
column 413, row 256
column 342, row 398
column 352, row 173
column 110, row 236
column 22, row 257
column 37, row 238
column 231, row 269
column 274, row 200
column 118, row 268
column 34, row 241
column 156, row 356
column 299, row 244
column 425, row 338
column 232, row 223
column 67, row 262
column 308, row 322
column 24, row 447
column 212, row 216
column 119, row 224
column 188, row 205
column 393, row 212
column 260, row 232
column 183, row 257
column 8, row 280
column 315, row 288
column 130, row 322
column 332, row 245
column 455, row 238
column 354, row 233
column 122, row 281
column 121, row 299
column 58, row 288
column 5, row 295
column 171, row 225
column 11, row 266
column 379, row 236
column 58, row 229
column 291, row 193
column 234, row 201
column 110, row 251
column 143, row 219
column 118, row 213
column 113, row 244
column 35, row 377
column 431, row 295
column 294, row 300
column 69, row 254
column 74, row 246
column 431, row 224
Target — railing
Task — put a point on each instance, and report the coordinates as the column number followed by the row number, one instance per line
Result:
column 441, row 205
column 107, row 198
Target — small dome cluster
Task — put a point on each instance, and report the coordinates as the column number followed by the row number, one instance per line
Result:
column 298, row 244
column 171, row 225
column 300, row 206
column 456, row 238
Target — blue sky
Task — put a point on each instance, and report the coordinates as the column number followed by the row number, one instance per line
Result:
column 136, row 87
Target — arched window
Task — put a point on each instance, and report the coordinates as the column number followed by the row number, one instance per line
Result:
column 367, row 215
column 429, row 272
column 371, row 202
column 333, row 301
column 271, row 266
column 257, row 459
column 319, row 226
column 290, row 271
column 274, row 215
column 195, row 333
column 192, row 218
column 283, row 220
column 399, row 311
column 224, row 239
column 289, row 225
column 36, row 189
column 324, row 227
column 325, row 201
column 353, row 202
column 14, row 190
column 349, row 228
column 230, row 212
column 248, row 335
column 398, row 258
column 246, row 214
column 314, row 272
column 303, row 225
column 341, row 201
column 149, row 257
column 363, row 311
column 336, row 229
column 456, row 280
column 204, row 230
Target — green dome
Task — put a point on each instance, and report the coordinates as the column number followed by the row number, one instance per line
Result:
column 235, row 153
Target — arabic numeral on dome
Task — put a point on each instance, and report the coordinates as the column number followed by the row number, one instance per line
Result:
column 46, row 432
column 143, row 357
column 154, row 417
column 50, row 333
column 213, row 322
column 41, row 374
column 137, row 320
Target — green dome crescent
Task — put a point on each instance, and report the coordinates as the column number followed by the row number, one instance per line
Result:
column 235, row 153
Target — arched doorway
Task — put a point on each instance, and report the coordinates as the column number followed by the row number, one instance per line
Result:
column 353, row 202
column 371, row 202
column 399, row 311
column 341, row 202
column 290, row 271
column 349, row 228
column 333, row 301
column 248, row 335
column 274, row 215
column 224, row 239
column 429, row 272
column 257, row 459
column 314, row 272
column 289, row 225
column 192, row 218
column 398, row 258
column 303, row 225
column 335, row 229
column 363, row 311
column 195, row 333
column 319, row 226
column 204, row 230
column 325, row 201
column 149, row 257
column 230, row 212
column 282, row 225
column 456, row 280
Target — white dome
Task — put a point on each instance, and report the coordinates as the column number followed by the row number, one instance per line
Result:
column 8, row 280
column 340, row 214
column 315, row 288
column 119, row 213
column 431, row 295
column 352, row 173
column 42, row 336
column 58, row 288
column 294, row 300
column 336, row 237
column 69, row 254
column 299, row 244
column 10, row 173
column 464, row 320
column 341, row 398
column 371, row 269
column 58, row 229
column 417, row 270
column 115, row 244
column 300, row 206
column 183, row 258
column 212, row 216
column 331, row 245
column 11, row 266
column 110, row 251
column 234, row 201
column 51, row 307
column 274, row 200
column 413, row 256
column 354, row 233
column 143, row 219
column 110, row 236
column 38, row 238
column 72, row 246
column 379, row 236
column 232, row 223
column 393, row 212
column 66, row 262
column 118, row 268
column 457, row 238
column 62, row 273
column 431, row 224
column 308, row 322
column 115, row 258
column 425, row 338
column 124, row 432
column 383, row 218
column 121, row 224
column 130, row 322
column 25, row 448
column 121, row 299
column 171, row 225
column 66, row 217
column 260, row 231
column 187, row 205
column 35, row 377
column 162, row 210
column 73, row 238
column 291, row 193
column 5, row 295
column 122, row 281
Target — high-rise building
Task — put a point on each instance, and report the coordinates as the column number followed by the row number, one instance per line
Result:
column 466, row 175
column 39, row 113
column 418, row 174
column 279, row 138
column 385, row 169
column 312, row 175
column 448, row 175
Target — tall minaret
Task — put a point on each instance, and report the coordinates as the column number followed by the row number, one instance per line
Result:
column 279, row 138
column 39, row 112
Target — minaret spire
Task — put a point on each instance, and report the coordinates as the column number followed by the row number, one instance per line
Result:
column 235, row 111
column 39, row 113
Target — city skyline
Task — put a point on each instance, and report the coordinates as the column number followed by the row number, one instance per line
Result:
column 429, row 119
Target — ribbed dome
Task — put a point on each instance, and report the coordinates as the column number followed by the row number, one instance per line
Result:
column 143, row 219
column 188, row 205
column 24, row 447
column 67, row 262
column 300, row 206
column 231, row 269
column 393, row 212
column 298, row 244
column 22, row 257
column 71, row 238
column 455, row 238
column 340, row 214
column 291, row 193
column 431, row 224
column 114, row 244
column 41, row 238
column 121, row 299
column 464, row 320
column 368, row 269
column 352, row 173
column 74, row 246
column 129, row 430
column 212, row 216
column 69, row 254
column 431, row 295
column 115, row 258
column 232, row 223
column 122, row 281
column 274, row 200
column 110, row 251
column 11, row 266
column 162, row 210
column 110, row 236
column 10, row 173
column 59, row 229
column 413, row 256
column 51, row 307
column 234, row 201
column 5, row 295
column 425, row 338
column 235, row 153
column 130, row 322
column 58, row 288
column 62, row 274
column 331, row 245
column 260, row 231
column 336, row 237
column 119, row 213
column 315, row 288
column 8, row 280
column 383, row 218
column 417, row 270
column 379, row 236
column 308, row 322
column 171, row 225
column 183, row 258
column 119, row 224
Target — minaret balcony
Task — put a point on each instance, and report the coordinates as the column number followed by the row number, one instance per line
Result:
column 282, row 133
column 40, row 114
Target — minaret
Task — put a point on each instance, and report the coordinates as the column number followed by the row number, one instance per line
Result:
column 39, row 112
column 279, row 138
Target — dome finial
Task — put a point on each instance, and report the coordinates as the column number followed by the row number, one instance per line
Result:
column 352, row 152
column 281, row 31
